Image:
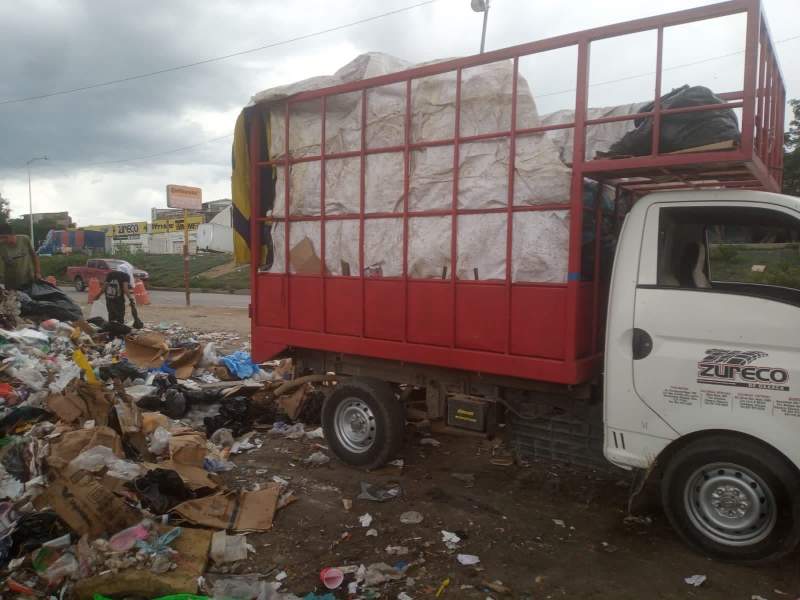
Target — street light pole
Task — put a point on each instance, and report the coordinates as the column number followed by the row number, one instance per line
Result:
column 30, row 196
column 482, row 6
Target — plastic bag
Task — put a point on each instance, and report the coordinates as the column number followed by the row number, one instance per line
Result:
column 65, row 377
column 159, row 441
column 98, row 457
column 127, row 538
column 240, row 364
column 210, row 357
column 45, row 301
column 683, row 130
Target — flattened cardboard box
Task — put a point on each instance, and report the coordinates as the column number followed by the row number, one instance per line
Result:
column 86, row 505
column 234, row 511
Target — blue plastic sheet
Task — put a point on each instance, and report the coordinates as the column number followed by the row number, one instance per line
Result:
column 240, row 364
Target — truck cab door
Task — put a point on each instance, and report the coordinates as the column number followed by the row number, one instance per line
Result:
column 716, row 324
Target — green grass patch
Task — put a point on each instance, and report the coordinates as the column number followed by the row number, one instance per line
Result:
column 734, row 263
column 166, row 270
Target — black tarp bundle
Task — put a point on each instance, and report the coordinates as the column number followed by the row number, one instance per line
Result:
column 683, row 130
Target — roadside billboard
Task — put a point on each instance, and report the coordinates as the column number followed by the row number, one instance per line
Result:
column 184, row 196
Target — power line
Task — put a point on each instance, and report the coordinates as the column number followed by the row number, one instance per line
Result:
column 157, row 154
column 650, row 73
column 215, row 58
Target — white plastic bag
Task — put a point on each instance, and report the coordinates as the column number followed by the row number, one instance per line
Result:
column 98, row 457
column 159, row 441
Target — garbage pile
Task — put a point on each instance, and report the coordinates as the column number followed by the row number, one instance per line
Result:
column 111, row 450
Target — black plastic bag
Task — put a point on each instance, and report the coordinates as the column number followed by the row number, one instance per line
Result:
column 161, row 490
column 121, row 370
column 34, row 529
column 233, row 414
column 42, row 300
column 22, row 415
column 683, row 130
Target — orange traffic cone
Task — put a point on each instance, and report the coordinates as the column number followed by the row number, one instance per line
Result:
column 141, row 294
column 94, row 290
column 51, row 280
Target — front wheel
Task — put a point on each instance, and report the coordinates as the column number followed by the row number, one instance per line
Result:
column 732, row 498
column 79, row 284
column 363, row 422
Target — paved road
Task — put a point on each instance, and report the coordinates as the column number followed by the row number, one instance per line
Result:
column 158, row 298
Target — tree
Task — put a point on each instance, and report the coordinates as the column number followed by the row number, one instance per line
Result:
column 5, row 209
column 791, row 154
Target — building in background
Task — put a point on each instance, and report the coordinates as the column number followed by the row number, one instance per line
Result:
column 210, row 210
column 217, row 234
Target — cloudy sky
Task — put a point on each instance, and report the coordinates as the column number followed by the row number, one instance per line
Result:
column 89, row 136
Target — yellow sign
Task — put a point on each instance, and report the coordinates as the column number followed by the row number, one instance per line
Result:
column 170, row 225
column 183, row 196
column 127, row 230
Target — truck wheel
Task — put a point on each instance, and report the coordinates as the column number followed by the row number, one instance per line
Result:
column 79, row 284
column 363, row 422
column 730, row 497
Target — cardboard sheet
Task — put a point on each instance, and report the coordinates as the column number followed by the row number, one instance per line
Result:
column 235, row 511
column 192, row 546
column 187, row 447
column 146, row 350
column 81, row 402
column 71, row 443
column 86, row 505
column 184, row 360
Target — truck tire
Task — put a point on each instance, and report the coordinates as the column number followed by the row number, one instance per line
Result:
column 80, row 285
column 731, row 497
column 363, row 422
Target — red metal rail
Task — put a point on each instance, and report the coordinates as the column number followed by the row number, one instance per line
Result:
column 547, row 331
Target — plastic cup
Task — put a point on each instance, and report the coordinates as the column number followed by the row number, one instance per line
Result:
column 331, row 577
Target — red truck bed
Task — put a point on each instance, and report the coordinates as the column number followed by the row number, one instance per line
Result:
column 543, row 331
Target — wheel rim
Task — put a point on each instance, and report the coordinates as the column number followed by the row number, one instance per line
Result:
column 730, row 504
column 355, row 426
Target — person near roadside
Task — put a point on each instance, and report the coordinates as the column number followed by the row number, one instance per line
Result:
column 19, row 264
column 116, row 288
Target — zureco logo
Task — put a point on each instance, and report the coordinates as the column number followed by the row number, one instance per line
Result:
column 734, row 368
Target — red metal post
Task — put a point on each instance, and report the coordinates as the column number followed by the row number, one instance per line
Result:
column 322, row 200
column 454, row 209
column 253, row 149
column 576, row 211
column 762, row 96
column 657, row 100
column 750, row 64
column 406, row 175
column 362, row 208
column 512, row 156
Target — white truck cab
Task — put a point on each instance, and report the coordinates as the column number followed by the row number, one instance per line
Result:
column 702, row 364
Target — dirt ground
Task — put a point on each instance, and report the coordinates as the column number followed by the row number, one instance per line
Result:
column 507, row 518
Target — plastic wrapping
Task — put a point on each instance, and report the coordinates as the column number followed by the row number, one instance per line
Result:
column 540, row 176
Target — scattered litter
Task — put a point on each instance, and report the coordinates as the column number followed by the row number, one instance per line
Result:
column 442, row 587
column 365, row 520
column 379, row 573
column 347, row 504
column 430, row 442
column 411, row 517
column 396, row 550
column 695, row 580
column 227, row 548
column 450, row 539
column 404, row 596
column 331, row 577
column 317, row 459
column 468, row 559
column 379, row 494
column 637, row 520
column 559, row 523
column 372, row 533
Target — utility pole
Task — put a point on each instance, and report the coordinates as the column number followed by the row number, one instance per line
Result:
column 482, row 6
column 30, row 196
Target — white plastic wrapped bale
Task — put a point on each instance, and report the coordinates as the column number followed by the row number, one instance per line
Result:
column 540, row 176
column 599, row 138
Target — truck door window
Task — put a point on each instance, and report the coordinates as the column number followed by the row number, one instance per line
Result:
column 741, row 250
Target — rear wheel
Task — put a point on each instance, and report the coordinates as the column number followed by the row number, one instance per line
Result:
column 731, row 498
column 79, row 284
column 363, row 422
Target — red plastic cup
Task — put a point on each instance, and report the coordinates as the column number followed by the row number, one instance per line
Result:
column 331, row 577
